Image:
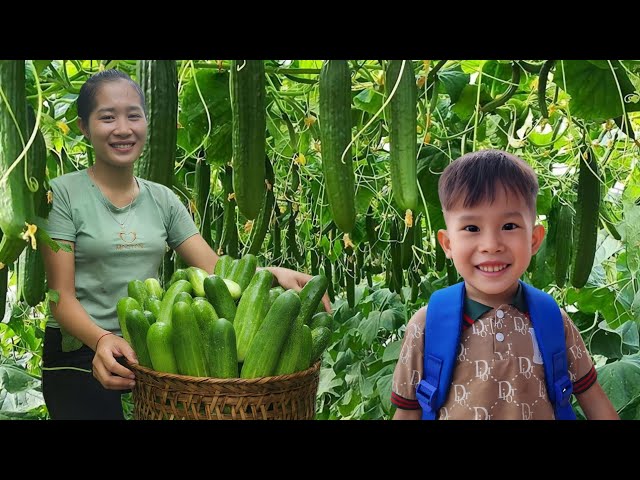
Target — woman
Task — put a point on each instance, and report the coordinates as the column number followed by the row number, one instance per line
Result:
column 117, row 226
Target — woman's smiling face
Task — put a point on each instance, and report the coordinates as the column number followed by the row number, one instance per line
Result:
column 117, row 126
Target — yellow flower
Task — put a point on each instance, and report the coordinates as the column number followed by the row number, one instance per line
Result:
column 248, row 226
column 309, row 120
column 408, row 218
column 232, row 196
column 63, row 127
column 347, row 241
column 300, row 159
column 49, row 197
column 30, row 234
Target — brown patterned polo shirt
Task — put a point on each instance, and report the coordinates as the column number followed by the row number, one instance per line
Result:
column 499, row 372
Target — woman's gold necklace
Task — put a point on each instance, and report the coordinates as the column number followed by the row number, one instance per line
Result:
column 104, row 202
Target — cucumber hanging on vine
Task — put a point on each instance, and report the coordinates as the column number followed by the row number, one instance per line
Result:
column 587, row 215
column 335, row 130
column 402, row 118
column 248, row 112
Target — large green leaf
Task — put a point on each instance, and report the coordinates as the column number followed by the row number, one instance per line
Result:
column 594, row 88
column 392, row 351
column 614, row 343
column 20, row 392
column 384, row 390
column 328, row 382
column 621, row 382
column 431, row 164
column 452, row 82
column 468, row 100
column 472, row 66
column 214, row 88
column 496, row 76
column 369, row 327
column 368, row 100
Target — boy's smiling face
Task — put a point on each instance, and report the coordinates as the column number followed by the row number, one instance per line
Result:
column 491, row 245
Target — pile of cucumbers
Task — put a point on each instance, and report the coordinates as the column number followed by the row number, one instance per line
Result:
column 231, row 324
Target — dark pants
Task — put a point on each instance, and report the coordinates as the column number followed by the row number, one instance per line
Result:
column 72, row 394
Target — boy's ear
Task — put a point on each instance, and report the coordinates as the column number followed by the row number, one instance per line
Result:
column 445, row 242
column 536, row 238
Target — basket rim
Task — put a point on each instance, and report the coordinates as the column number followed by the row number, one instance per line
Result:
column 216, row 381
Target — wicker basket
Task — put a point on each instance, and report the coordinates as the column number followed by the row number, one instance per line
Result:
column 166, row 396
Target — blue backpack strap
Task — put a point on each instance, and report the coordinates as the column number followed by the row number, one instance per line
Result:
column 441, row 338
column 549, row 330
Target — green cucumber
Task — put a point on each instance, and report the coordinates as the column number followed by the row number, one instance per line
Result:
column 158, row 80
column 154, row 288
column 137, row 289
column 223, row 359
column 166, row 304
column 223, row 265
column 264, row 352
column 153, row 305
column 251, row 311
column 196, row 276
column 160, row 347
column 587, row 216
column 322, row 319
column 291, row 350
column 305, row 358
column 179, row 274
column 188, row 344
column 234, row 289
column 402, row 119
column 311, row 295
column 244, row 270
column 217, row 293
column 335, row 130
column 123, row 306
column 320, row 339
column 183, row 297
column 248, row 113
column 205, row 314
column 137, row 326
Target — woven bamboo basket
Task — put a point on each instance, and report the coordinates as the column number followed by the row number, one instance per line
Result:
column 166, row 396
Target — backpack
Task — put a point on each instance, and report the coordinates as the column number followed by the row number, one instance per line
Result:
column 442, row 331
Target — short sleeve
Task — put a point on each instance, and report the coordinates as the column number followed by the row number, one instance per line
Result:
column 180, row 225
column 60, row 225
column 581, row 368
column 408, row 371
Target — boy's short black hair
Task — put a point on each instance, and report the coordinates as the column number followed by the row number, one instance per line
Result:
column 474, row 177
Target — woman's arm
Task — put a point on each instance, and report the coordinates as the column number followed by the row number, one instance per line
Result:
column 196, row 252
column 69, row 313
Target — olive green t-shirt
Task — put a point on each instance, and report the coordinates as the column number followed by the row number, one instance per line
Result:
column 108, row 257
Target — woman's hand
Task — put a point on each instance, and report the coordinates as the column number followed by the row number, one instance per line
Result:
column 106, row 369
column 295, row 280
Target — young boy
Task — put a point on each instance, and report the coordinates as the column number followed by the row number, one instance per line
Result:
column 489, row 204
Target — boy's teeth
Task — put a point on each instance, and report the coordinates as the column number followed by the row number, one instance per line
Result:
column 490, row 269
column 127, row 145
